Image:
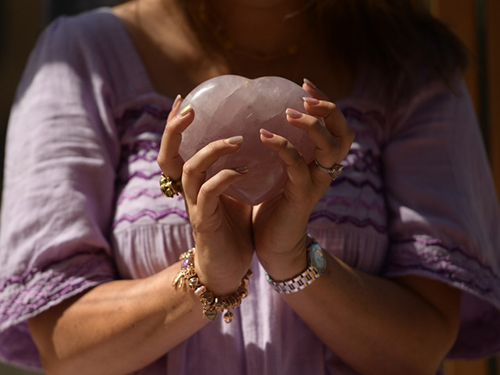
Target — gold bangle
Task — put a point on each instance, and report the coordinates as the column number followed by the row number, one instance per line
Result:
column 211, row 304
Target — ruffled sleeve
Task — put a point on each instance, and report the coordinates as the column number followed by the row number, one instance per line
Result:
column 61, row 156
column 444, row 217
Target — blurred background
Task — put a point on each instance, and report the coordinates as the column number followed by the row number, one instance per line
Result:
column 474, row 21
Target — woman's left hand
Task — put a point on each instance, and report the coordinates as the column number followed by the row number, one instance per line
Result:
column 280, row 224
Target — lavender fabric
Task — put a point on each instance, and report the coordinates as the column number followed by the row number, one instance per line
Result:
column 81, row 206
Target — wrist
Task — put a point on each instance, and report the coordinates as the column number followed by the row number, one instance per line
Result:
column 218, row 270
column 316, row 266
column 212, row 303
column 219, row 284
column 286, row 265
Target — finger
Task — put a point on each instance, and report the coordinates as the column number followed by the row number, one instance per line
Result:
column 175, row 107
column 327, row 148
column 335, row 122
column 296, row 166
column 212, row 189
column 313, row 90
column 169, row 159
column 194, row 170
column 333, row 116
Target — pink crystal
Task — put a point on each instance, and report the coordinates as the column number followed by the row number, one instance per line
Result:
column 232, row 105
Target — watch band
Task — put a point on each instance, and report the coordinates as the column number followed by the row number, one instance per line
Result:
column 297, row 283
column 315, row 269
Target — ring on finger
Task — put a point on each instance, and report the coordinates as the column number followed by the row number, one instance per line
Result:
column 334, row 171
column 170, row 187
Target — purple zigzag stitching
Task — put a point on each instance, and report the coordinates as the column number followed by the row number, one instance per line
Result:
column 141, row 175
column 134, row 158
column 356, row 203
column 152, row 214
column 362, row 184
column 364, row 116
column 130, row 196
column 140, row 146
column 21, row 279
column 458, row 249
column 350, row 219
column 139, row 150
column 144, row 144
column 17, row 303
column 371, row 162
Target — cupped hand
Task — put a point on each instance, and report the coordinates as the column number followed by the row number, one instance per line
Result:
column 221, row 225
column 280, row 224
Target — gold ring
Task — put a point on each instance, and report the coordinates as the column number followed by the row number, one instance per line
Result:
column 334, row 171
column 170, row 187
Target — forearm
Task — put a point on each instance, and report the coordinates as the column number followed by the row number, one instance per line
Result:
column 117, row 327
column 376, row 325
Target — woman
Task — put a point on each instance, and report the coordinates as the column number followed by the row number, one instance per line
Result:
column 408, row 231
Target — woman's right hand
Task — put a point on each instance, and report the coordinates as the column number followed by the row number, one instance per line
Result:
column 221, row 225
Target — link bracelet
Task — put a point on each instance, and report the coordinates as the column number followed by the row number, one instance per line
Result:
column 211, row 304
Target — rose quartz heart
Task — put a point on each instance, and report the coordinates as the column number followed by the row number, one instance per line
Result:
column 232, row 105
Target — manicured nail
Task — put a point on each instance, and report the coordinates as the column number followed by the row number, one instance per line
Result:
column 186, row 110
column 234, row 140
column 293, row 113
column 176, row 100
column 307, row 82
column 241, row 170
column 266, row 133
column 312, row 101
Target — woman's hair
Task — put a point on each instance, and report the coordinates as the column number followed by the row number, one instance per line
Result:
column 388, row 39
column 392, row 39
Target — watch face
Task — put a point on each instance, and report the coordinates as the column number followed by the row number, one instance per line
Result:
column 317, row 259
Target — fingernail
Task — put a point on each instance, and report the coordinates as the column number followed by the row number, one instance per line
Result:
column 312, row 101
column 307, row 82
column 186, row 110
column 241, row 170
column 266, row 133
column 234, row 140
column 176, row 100
column 293, row 113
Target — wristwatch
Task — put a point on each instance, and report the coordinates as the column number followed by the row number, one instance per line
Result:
column 316, row 266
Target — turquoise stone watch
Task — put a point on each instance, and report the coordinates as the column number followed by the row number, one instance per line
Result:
column 316, row 266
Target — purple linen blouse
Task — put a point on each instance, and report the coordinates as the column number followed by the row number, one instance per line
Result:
column 82, row 206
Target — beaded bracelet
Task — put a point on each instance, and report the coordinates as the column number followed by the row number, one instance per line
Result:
column 211, row 304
